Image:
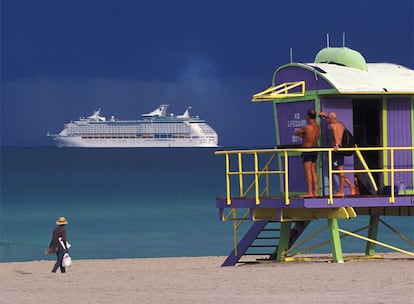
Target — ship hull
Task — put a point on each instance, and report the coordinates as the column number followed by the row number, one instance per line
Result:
column 78, row 142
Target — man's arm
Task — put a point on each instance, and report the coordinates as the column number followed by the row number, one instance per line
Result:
column 300, row 132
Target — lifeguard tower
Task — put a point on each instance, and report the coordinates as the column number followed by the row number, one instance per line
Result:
column 375, row 101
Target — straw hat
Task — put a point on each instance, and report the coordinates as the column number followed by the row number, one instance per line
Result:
column 61, row 221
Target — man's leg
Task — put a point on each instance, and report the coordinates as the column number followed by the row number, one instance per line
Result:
column 338, row 161
column 315, row 180
column 341, row 182
column 350, row 185
column 308, row 174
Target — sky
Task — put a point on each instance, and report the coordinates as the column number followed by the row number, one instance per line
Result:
column 64, row 59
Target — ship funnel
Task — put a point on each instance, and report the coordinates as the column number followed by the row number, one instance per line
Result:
column 186, row 114
column 96, row 116
column 161, row 111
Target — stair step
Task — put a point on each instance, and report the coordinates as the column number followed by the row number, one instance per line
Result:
column 267, row 238
column 259, row 231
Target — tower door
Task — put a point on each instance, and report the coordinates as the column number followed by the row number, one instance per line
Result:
column 367, row 122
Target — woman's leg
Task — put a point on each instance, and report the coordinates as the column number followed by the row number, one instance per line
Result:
column 59, row 258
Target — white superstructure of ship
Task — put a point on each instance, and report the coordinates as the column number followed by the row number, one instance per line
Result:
column 156, row 129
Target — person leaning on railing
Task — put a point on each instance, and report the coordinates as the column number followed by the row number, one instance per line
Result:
column 337, row 129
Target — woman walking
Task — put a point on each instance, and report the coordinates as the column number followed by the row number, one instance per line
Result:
column 58, row 243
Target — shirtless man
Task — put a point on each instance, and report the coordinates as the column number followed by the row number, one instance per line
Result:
column 310, row 136
column 337, row 129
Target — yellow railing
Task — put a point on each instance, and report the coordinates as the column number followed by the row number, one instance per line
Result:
column 256, row 173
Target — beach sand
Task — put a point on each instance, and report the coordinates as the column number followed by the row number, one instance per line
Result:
column 202, row 280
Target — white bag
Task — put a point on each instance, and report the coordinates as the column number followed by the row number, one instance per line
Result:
column 67, row 260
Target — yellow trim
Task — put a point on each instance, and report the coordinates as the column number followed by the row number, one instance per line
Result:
column 301, row 214
column 365, row 165
column 228, row 179
column 375, row 242
column 330, row 176
column 280, row 91
column 385, row 136
column 287, row 201
column 239, row 157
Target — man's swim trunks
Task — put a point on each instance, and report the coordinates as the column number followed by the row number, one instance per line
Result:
column 337, row 160
column 309, row 157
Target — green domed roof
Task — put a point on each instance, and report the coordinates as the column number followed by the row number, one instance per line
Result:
column 343, row 56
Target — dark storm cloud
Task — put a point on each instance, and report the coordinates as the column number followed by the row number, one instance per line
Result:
column 61, row 60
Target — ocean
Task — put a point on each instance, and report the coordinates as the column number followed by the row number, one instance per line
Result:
column 126, row 203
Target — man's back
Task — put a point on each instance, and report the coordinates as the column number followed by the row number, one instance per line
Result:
column 311, row 135
column 337, row 132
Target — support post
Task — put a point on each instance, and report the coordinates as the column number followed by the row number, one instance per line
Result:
column 372, row 234
column 284, row 240
column 335, row 240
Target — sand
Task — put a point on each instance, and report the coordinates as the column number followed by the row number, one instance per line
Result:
column 202, row 280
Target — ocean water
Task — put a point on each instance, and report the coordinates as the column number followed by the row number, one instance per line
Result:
column 124, row 203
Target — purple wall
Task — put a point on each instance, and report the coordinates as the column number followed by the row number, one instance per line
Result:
column 344, row 113
column 290, row 117
column 294, row 73
column 399, row 135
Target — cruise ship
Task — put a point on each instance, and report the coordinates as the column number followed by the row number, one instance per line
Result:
column 155, row 129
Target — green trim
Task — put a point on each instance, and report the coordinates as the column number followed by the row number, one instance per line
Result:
column 283, row 241
column 305, row 67
column 279, row 157
column 372, row 234
column 309, row 95
column 335, row 240
column 291, row 99
column 276, row 124
column 328, row 92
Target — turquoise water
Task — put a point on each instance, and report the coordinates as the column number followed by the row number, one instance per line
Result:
column 122, row 203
